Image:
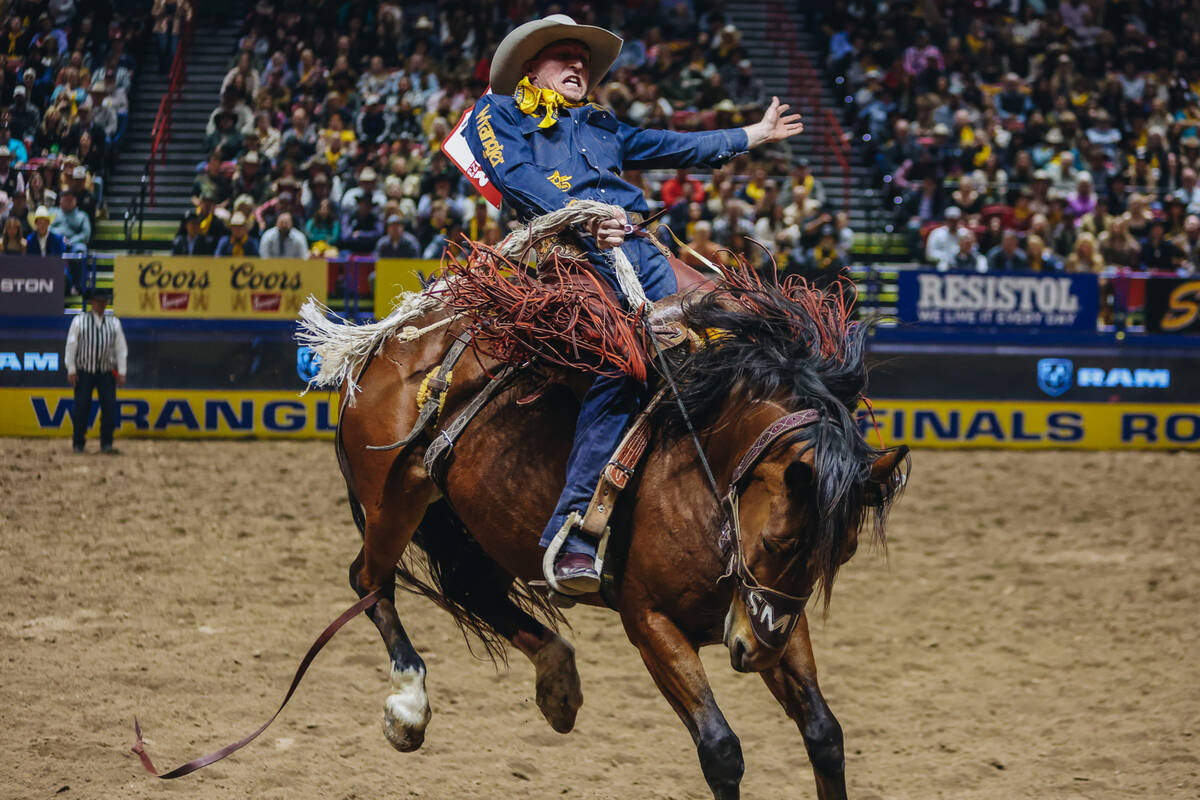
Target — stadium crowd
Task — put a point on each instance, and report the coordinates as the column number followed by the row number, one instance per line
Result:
column 68, row 69
column 329, row 129
column 1029, row 134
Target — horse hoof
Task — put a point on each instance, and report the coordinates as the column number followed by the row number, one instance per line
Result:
column 406, row 712
column 558, row 692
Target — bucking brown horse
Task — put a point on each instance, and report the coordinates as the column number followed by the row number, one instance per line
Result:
column 771, row 390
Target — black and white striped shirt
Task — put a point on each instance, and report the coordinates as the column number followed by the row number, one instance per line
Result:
column 95, row 344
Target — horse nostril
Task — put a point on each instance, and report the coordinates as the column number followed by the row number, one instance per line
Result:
column 739, row 653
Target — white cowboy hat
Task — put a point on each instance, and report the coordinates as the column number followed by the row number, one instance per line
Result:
column 526, row 41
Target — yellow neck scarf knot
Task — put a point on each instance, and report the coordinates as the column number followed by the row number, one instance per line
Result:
column 530, row 98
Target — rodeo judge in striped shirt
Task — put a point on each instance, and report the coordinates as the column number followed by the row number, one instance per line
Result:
column 95, row 349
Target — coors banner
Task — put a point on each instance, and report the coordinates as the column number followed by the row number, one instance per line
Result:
column 31, row 286
column 215, row 287
column 1001, row 300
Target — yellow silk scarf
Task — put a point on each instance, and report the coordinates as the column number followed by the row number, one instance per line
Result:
column 530, row 98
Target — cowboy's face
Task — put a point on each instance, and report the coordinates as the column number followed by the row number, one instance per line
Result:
column 564, row 67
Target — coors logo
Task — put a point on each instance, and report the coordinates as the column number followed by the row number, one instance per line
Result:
column 262, row 290
column 172, row 289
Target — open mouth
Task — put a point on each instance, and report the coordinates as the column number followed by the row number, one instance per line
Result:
column 573, row 80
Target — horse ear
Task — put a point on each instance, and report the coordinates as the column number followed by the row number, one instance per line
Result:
column 799, row 476
column 881, row 485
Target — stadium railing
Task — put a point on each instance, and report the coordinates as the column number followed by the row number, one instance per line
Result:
column 160, row 134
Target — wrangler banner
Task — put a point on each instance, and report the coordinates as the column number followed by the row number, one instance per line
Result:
column 1032, row 425
column 177, row 414
column 961, row 424
column 215, row 287
column 396, row 275
column 1001, row 300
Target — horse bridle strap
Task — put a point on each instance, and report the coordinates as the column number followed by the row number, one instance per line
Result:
column 773, row 614
column 779, row 427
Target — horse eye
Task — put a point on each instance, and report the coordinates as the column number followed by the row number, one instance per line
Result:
column 769, row 547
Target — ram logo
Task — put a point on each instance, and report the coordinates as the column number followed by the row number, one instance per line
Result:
column 1054, row 375
column 29, row 362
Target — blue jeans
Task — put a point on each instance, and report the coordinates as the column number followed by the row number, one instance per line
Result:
column 610, row 404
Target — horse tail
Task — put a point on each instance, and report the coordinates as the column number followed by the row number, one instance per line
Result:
column 449, row 567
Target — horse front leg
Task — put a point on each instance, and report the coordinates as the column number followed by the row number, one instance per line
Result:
column 406, row 711
column 794, row 683
column 674, row 663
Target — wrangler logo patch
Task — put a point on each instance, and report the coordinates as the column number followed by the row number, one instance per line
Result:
column 493, row 151
column 561, row 181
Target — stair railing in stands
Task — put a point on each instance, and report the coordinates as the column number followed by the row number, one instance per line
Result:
column 160, row 134
column 135, row 212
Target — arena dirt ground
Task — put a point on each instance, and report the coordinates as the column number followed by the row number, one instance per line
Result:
column 1033, row 633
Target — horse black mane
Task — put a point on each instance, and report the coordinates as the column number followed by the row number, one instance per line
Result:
column 795, row 345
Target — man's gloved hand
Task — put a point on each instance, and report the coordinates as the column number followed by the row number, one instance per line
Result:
column 610, row 232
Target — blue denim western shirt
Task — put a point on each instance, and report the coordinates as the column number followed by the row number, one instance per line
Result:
column 581, row 156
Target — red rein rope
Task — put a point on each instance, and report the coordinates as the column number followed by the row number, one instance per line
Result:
column 190, row 767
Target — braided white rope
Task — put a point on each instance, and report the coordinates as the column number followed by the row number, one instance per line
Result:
column 586, row 213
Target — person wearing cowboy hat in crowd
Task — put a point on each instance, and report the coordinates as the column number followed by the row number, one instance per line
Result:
column 191, row 241
column 96, row 360
column 543, row 146
column 249, row 178
column 45, row 242
column 368, row 186
column 239, row 241
column 226, row 137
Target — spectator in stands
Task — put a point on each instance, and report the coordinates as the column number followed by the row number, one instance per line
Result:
column 397, row 243
column 1007, row 256
column 1158, row 253
column 283, row 240
column 324, row 228
column 85, row 200
column 72, row 224
column 250, row 180
column 12, row 240
column 239, row 241
column 368, row 186
column 11, row 180
column 682, row 188
column 942, row 242
column 1082, row 201
column 1085, row 257
column 244, row 68
column 362, row 229
column 967, row 257
column 213, row 179
column 226, row 138
column 25, row 117
column 1040, row 259
column 44, row 242
column 1188, row 191
column 701, row 245
column 191, row 242
column 1118, row 247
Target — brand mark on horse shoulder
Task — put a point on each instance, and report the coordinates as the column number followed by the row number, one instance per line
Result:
column 561, row 181
column 492, row 149
column 764, row 612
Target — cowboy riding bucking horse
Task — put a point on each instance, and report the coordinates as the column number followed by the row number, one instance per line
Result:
column 543, row 147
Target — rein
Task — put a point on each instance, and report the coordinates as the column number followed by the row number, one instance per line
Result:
column 139, row 746
column 773, row 614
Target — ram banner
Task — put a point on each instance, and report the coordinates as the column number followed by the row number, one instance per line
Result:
column 215, row 287
column 177, row 414
column 1001, row 300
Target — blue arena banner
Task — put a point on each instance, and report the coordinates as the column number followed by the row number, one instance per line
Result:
column 1006, row 300
column 31, row 286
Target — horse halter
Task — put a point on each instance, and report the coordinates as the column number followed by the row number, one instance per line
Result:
column 773, row 614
